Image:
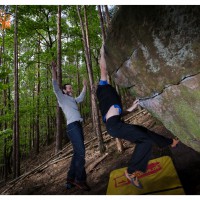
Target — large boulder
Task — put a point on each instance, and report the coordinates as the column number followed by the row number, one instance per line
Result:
column 155, row 52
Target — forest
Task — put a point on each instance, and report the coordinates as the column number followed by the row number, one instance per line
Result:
column 34, row 150
column 31, row 38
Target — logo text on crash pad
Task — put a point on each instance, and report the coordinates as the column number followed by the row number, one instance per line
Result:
column 152, row 168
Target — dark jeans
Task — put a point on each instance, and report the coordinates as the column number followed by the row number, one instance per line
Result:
column 141, row 136
column 77, row 168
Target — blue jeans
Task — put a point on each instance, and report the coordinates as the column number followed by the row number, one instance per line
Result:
column 77, row 168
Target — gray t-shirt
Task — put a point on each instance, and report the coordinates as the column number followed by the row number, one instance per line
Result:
column 68, row 103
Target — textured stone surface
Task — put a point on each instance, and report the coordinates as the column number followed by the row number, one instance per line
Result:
column 178, row 107
column 155, row 51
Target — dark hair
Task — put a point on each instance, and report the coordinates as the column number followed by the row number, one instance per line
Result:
column 64, row 86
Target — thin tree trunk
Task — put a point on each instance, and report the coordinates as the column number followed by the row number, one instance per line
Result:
column 5, row 161
column 30, row 134
column 102, row 24
column 103, row 35
column 96, row 123
column 5, row 127
column 5, row 105
column 119, row 144
column 59, row 79
column 38, row 103
column 78, row 83
column 31, row 126
column 47, row 115
column 33, row 119
column 87, row 39
column 107, row 16
column 48, row 130
column 16, row 145
column 9, row 153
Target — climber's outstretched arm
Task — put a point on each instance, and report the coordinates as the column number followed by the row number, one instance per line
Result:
column 132, row 108
column 102, row 63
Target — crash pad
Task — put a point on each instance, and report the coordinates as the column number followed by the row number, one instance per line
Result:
column 160, row 178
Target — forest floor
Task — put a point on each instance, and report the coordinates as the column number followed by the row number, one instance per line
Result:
column 49, row 178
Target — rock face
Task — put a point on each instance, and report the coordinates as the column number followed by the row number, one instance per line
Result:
column 155, row 51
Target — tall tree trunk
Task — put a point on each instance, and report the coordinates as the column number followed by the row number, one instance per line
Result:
column 107, row 16
column 96, row 123
column 47, row 115
column 59, row 79
column 9, row 153
column 16, row 145
column 102, row 24
column 119, row 143
column 5, row 160
column 3, row 111
column 37, row 142
column 103, row 34
column 78, row 83
column 31, row 122
column 30, row 133
column 5, row 107
column 33, row 119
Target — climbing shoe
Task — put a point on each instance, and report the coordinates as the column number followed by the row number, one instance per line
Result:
column 133, row 179
column 82, row 185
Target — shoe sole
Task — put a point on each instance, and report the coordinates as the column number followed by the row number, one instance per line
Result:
column 132, row 182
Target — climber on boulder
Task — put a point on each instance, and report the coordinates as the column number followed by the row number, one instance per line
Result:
column 111, row 109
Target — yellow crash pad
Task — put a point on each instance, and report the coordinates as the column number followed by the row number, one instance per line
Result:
column 160, row 178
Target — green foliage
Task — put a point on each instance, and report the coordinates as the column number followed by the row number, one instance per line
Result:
column 5, row 141
column 37, row 44
column 6, row 133
column 6, row 117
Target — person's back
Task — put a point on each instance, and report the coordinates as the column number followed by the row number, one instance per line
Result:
column 107, row 93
